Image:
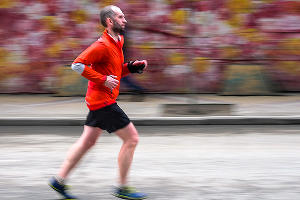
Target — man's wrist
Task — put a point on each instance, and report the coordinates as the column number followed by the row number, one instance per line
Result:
column 130, row 66
column 104, row 78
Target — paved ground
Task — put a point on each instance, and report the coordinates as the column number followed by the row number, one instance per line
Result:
column 178, row 162
column 46, row 105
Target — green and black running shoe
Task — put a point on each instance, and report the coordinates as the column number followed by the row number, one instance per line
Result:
column 61, row 189
column 128, row 193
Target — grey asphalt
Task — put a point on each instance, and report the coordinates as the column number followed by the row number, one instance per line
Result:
column 50, row 110
column 208, row 162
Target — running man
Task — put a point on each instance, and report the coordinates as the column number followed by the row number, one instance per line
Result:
column 103, row 65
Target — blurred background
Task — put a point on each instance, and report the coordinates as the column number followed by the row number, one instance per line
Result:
column 235, row 147
column 228, row 47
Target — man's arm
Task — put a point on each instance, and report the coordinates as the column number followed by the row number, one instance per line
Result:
column 89, row 73
column 93, row 54
column 109, row 81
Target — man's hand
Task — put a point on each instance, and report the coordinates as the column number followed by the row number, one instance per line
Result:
column 137, row 66
column 111, row 82
column 142, row 64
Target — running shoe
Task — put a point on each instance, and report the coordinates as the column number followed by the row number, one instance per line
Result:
column 61, row 189
column 128, row 193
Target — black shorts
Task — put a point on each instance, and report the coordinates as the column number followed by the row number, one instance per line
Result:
column 109, row 118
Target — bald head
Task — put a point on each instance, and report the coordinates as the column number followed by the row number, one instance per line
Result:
column 108, row 12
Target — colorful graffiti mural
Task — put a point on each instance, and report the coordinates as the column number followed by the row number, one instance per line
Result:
column 190, row 45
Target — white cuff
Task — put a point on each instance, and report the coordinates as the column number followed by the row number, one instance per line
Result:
column 78, row 67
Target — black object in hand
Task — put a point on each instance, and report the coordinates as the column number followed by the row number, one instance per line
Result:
column 135, row 68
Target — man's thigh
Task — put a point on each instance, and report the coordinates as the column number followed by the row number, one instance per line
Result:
column 90, row 134
column 128, row 132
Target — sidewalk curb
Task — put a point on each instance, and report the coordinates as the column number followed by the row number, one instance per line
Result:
column 157, row 121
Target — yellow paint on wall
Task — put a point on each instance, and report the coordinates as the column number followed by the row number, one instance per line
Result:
column 239, row 6
column 176, row 58
column 72, row 43
column 230, row 52
column 109, row 2
column 54, row 50
column 291, row 46
column 79, row 16
column 50, row 23
column 252, row 35
column 179, row 16
column 201, row 64
column 235, row 21
column 290, row 67
column 4, row 54
column 147, row 48
column 7, row 3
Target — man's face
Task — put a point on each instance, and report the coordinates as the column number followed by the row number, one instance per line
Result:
column 119, row 21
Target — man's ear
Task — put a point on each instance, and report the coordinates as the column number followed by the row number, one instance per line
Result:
column 109, row 21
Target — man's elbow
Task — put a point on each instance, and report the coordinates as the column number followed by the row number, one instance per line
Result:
column 78, row 67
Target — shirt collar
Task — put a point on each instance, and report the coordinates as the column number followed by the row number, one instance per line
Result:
column 119, row 37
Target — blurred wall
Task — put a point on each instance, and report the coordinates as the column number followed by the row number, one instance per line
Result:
column 190, row 45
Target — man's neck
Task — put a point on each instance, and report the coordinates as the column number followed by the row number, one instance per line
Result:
column 114, row 35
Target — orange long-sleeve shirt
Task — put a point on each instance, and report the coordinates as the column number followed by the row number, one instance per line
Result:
column 104, row 57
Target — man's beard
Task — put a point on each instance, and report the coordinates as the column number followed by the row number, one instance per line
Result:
column 117, row 28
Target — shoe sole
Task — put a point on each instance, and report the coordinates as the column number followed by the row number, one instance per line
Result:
column 54, row 188
column 125, row 197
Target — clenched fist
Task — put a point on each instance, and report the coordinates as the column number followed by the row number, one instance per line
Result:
column 111, row 82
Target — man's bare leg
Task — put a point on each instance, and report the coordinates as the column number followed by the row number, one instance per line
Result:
column 83, row 144
column 130, row 138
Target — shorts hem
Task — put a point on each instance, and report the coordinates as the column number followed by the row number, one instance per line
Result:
column 116, row 129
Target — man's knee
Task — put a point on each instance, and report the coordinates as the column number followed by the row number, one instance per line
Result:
column 86, row 144
column 129, row 135
column 90, row 143
column 133, row 141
